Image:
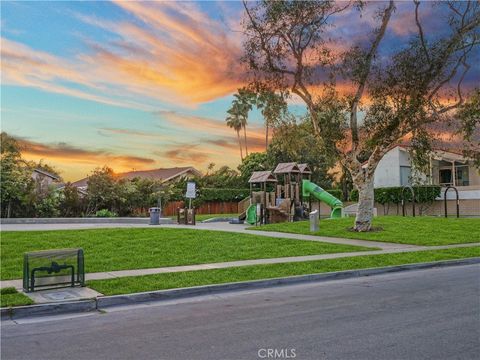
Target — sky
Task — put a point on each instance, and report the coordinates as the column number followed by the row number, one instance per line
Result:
column 135, row 85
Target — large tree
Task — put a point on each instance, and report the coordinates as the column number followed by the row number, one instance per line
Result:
column 399, row 92
column 16, row 176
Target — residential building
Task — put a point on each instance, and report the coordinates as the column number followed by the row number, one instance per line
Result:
column 165, row 175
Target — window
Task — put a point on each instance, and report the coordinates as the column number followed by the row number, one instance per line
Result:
column 445, row 177
column 462, row 175
column 405, row 173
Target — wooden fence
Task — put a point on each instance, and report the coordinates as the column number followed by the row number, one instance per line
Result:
column 216, row 207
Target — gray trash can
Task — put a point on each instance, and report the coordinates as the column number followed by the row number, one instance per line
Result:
column 154, row 215
column 314, row 220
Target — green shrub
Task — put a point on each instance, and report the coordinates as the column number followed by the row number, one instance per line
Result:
column 105, row 213
column 393, row 195
column 8, row 290
column 208, row 194
column 336, row 192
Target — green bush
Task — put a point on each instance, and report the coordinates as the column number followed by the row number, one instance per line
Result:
column 8, row 290
column 393, row 195
column 208, row 194
column 105, row 213
column 336, row 192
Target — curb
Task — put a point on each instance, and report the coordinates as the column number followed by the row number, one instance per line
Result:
column 49, row 309
column 85, row 220
column 103, row 302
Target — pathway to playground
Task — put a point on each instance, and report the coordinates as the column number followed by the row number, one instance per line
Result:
column 215, row 226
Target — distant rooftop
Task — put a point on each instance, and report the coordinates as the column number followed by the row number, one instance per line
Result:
column 46, row 173
column 163, row 174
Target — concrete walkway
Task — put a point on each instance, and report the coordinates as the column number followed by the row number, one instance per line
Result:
column 215, row 226
column 222, row 265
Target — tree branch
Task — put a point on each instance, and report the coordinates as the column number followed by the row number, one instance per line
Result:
column 420, row 31
column 365, row 73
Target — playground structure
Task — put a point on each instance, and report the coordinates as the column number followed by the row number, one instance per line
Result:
column 280, row 195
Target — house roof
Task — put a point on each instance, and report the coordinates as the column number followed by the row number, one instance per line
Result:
column 437, row 154
column 262, row 176
column 46, row 173
column 285, row 168
column 164, row 174
column 160, row 174
column 304, row 169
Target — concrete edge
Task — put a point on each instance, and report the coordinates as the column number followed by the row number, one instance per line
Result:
column 85, row 220
column 103, row 302
column 56, row 308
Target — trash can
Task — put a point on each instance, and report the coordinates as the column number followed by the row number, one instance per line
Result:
column 154, row 215
column 314, row 221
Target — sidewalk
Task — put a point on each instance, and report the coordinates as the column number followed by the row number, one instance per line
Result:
column 217, row 226
column 138, row 272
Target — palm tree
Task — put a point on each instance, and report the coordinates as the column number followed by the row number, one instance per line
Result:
column 272, row 106
column 243, row 102
column 234, row 122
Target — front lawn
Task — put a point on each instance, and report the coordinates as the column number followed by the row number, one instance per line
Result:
column 421, row 230
column 126, row 285
column 139, row 248
column 10, row 297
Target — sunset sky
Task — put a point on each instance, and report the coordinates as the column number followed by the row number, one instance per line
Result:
column 136, row 85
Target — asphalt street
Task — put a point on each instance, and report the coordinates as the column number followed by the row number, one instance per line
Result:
column 427, row 314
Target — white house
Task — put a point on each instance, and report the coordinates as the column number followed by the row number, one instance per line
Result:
column 446, row 169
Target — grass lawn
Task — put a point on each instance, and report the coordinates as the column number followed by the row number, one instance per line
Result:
column 122, row 249
column 10, row 297
column 405, row 230
column 256, row 272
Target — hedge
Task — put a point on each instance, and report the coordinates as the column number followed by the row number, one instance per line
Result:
column 393, row 195
column 214, row 194
column 208, row 194
column 336, row 192
column 227, row 195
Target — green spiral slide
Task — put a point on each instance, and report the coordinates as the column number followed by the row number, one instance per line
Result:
column 309, row 188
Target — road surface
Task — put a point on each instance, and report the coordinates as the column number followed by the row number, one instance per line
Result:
column 428, row 314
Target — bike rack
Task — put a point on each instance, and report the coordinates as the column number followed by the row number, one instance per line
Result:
column 445, row 200
column 403, row 199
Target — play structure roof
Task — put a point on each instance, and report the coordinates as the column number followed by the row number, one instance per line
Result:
column 304, row 169
column 285, row 168
column 262, row 176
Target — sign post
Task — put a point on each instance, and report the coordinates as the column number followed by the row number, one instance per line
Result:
column 191, row 193
column 190, row 212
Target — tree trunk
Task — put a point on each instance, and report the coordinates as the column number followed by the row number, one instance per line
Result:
column 266, row 135
column 245, row 136
column 240, row 144
column 363, row 220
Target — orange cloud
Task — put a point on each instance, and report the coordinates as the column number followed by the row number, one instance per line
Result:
column 24, row 66
column 181, row 55
column 173, row 53
column 69, row 157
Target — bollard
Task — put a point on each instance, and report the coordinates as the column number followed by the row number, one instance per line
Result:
column 314, row 221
